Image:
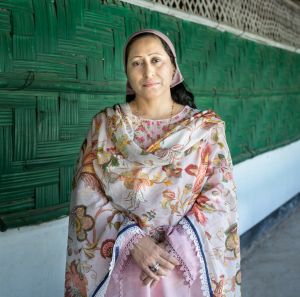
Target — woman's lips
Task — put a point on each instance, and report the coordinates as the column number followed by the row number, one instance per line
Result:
column 150, row 84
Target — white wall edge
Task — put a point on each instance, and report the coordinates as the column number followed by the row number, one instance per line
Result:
column 206, row 22
column 266, row 182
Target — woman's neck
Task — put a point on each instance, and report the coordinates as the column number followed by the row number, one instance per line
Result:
column 153, row 109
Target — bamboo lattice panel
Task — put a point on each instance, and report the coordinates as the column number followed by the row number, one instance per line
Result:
column 61, row 62
column 275, row 19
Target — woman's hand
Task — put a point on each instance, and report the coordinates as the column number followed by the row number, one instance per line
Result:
column 147, row 279
column 146, row 253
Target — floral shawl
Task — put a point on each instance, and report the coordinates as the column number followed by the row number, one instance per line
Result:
column 122, row 192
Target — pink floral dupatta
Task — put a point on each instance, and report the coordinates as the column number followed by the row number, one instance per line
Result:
column 122, row 192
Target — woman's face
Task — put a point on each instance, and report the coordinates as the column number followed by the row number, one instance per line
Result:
column 149, row 68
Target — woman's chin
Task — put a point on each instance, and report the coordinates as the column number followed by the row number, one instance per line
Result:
column 147, row 95
column 151, row 93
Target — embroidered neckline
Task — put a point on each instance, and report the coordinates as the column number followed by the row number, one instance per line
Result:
column 185, row 109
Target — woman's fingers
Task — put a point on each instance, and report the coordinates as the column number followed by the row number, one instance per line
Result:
column 143, row 276
column 165, row 255
column 153, row 283
column 147, row 253
column 150, row 281
column 166, row 264
column 161, row 271
column 147, row 281
column 149, row 273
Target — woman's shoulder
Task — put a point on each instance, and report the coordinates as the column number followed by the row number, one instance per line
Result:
column 206, row 115
column 107, row 110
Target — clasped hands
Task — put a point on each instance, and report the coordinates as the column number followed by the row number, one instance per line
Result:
column 147, row 253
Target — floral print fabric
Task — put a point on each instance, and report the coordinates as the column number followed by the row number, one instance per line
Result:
column 124, row 190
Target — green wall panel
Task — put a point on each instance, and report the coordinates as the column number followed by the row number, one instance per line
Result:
column 47, row 118
column 24, row 134
column 65, row 175
column 17, row 200
column 5, row 148
column 62, row 61
column 46, row 195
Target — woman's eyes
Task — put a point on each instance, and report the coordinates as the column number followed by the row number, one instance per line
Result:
column 155, row 60
column 138, row 63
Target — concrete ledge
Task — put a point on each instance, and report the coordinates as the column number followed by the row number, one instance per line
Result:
column 253, row 236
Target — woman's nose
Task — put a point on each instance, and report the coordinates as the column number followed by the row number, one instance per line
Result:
column 148, row 70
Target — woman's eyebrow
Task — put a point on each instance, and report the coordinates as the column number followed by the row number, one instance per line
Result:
column 148, row 55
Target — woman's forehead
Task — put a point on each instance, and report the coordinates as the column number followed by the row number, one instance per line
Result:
column 146, row 46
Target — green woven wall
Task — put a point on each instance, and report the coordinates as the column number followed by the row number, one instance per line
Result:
column 61, row 62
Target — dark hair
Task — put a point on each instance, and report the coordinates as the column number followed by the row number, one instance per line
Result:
column 179, row 93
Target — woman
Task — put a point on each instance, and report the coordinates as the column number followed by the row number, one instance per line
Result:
column 153, row 208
